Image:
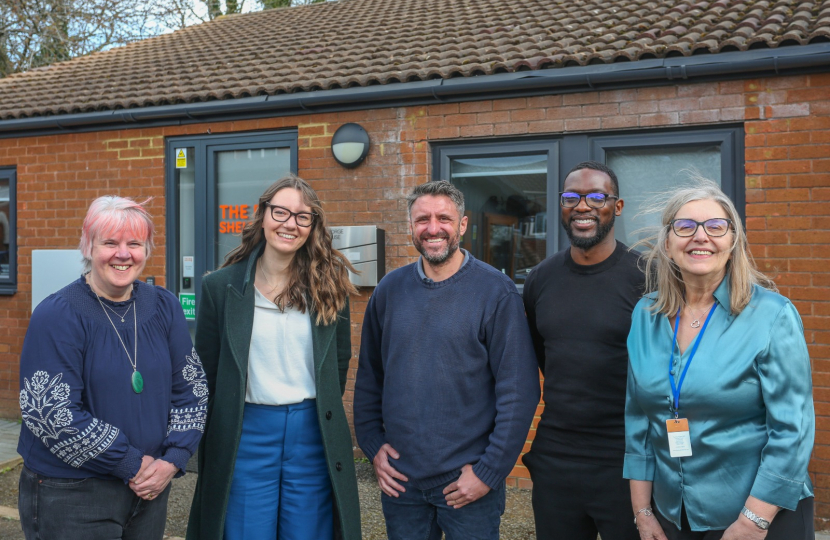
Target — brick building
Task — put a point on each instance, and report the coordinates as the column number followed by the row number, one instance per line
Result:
column 500, row 97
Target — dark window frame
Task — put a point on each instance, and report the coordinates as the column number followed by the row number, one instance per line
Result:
column 443, row 153
column 205, row 149
column 730, row 140
column 574, row 148
column 8, row 285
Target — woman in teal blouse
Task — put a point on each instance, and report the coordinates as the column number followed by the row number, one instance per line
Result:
column 719, row 413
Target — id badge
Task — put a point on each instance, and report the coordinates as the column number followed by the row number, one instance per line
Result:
column 680, row 445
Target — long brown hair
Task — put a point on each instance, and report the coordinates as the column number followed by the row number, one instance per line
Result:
column 317, row 276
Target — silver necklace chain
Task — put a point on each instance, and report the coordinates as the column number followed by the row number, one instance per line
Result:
column 273, row 287
column 265, row 277
column 696, row 322
column 116, row 313
column 133, row 363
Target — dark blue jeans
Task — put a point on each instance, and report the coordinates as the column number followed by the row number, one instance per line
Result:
column 87, row 509
column 421, row 514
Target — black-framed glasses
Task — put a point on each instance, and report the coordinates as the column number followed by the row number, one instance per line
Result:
column 715, row 227
column 569, row 199
column 302, row 219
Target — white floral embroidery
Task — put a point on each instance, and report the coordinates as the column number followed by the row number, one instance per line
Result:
column 46, row 415
column 189, row 372
column 39, row 379
column 194, row 374
column 187, row 418
column 200, row 390
column 43, row 404
column 60, row 392
column 96, row 438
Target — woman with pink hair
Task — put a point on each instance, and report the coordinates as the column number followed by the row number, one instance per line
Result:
column 112, row 393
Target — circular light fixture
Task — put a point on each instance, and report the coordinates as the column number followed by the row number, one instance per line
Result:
column 350, row 145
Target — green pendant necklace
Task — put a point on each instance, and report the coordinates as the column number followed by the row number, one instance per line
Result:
column 136, row 379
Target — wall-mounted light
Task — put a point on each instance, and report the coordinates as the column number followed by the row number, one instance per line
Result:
column 350, row 145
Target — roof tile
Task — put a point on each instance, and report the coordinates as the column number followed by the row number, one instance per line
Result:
column 365, row 42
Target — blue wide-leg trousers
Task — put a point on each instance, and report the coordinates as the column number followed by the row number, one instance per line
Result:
column 281, row 487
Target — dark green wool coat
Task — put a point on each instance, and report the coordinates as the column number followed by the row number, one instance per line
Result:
column 223, row 337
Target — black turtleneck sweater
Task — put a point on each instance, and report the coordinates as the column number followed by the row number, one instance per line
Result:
column 579, row 320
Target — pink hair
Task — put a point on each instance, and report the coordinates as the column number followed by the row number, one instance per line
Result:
column 111, row 214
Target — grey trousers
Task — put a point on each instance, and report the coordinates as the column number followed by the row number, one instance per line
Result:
column 87, row 509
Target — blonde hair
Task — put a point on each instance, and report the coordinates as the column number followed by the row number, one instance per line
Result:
column 318, row 276
column 662, row 274
column 110, row 214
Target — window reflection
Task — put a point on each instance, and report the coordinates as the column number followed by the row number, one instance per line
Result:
column 644, row 172
column 241, row 177
column 506, row 208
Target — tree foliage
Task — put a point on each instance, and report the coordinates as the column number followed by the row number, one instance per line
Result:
column 36, row 33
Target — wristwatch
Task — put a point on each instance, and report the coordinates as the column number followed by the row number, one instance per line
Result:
column 759, row 522
column 645, row 511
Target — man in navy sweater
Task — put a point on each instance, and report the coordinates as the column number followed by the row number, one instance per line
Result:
column 447, row 383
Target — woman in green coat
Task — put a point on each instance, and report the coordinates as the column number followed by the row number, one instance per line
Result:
column 273, row 334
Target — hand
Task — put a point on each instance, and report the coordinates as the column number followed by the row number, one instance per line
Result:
column 466, row 489
column 145, row 462
column 386, row 473
column 744, row 529
column 649, row 528
column 152, row 479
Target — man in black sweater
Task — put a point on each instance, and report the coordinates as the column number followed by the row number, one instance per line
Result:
column 579, row 305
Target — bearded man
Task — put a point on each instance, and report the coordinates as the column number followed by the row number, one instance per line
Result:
column 447, row 383
column 579, row 304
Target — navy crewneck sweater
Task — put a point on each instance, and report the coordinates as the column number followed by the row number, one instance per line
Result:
column 447, row 374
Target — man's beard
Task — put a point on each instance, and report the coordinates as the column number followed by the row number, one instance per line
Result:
column 586, row 243
column 439, row 258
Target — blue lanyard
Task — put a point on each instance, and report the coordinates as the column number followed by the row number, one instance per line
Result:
column 675, row 389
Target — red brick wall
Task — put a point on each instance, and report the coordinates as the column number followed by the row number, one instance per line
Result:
column 787, row 124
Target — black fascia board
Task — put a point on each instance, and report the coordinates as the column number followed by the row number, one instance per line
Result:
column 794, row 60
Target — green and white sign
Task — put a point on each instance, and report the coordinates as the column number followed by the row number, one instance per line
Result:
column 188, row 301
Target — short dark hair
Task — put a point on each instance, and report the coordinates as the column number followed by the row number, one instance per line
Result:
column 601, row 167
column 439, row 187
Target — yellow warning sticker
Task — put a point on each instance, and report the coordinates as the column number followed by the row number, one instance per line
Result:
column 181, row 158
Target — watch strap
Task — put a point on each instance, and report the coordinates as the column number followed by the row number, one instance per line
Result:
column 759, row 522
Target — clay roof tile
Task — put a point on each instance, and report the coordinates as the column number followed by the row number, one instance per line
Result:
column 367, row 42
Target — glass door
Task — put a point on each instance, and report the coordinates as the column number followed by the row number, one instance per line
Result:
column 213, row 188
column 241, row 175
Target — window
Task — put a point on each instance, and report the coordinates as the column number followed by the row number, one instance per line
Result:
column 8, row 231
column 511, row 186
column 649, row 164
column 506, row 198
column 213, row 188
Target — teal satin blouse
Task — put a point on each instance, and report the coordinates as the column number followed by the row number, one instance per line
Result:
column 748, row 399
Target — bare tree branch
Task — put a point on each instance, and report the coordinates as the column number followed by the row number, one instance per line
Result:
column 35, row 33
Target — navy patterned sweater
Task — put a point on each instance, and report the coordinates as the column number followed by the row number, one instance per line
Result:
column 81, row 417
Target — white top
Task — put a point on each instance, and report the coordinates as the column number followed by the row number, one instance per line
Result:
column 281, row 359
